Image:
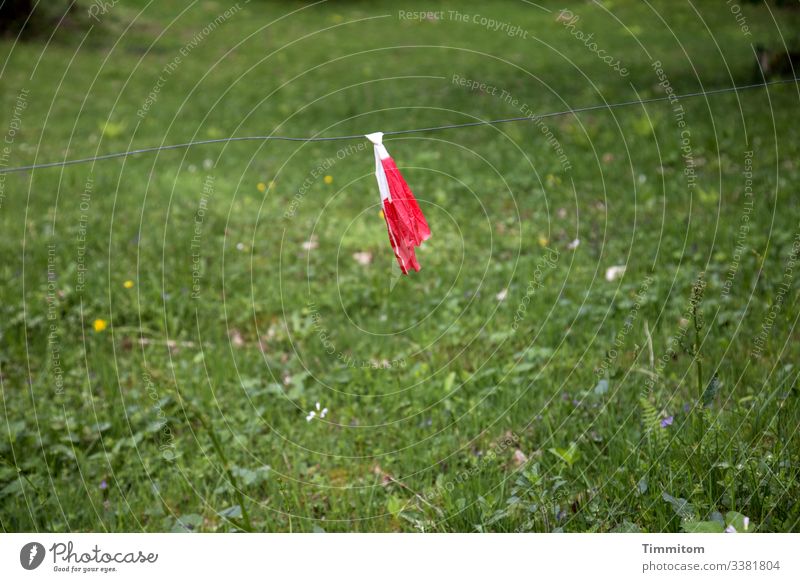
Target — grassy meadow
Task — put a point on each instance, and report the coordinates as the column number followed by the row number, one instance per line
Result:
column 169, row 322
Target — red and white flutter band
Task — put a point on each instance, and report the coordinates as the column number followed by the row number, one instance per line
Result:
column 404, row 220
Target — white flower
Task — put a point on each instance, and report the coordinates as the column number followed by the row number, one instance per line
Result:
column 615, row 272
column 519, row 458
column 363, row 258
column 574, row 244
column 502, row 295
column 310, row 244
column 236, row 337
column 322, row 412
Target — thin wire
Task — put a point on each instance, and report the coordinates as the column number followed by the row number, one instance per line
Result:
column 593, row 108
column 534, row 117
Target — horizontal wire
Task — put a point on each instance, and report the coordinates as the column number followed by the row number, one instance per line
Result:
column 593, row 108
column 605, row 106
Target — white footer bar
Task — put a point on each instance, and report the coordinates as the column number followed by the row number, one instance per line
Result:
column 389, row 557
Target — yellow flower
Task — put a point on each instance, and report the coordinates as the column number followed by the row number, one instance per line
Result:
column 380, row 213
column 543, row 240
column 328, row 179
column 128, row 284
column 261, row 187
column 100, row 325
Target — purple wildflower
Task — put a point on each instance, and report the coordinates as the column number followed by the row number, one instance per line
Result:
column 665, row 422
column 103, row 485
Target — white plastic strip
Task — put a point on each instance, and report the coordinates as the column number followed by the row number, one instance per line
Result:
column 380, row 154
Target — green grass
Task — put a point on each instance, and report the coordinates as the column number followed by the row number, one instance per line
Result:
column 449, row 409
